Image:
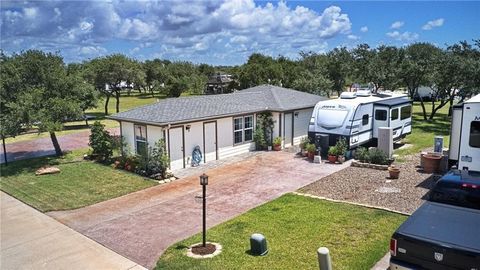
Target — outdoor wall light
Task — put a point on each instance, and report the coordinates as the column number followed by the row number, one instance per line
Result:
column 296, row 114
column 188, row 127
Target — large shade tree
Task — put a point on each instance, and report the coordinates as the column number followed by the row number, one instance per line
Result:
column 108, row 74
column 45, row 93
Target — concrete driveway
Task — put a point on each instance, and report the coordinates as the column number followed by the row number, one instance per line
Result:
column 143, row 224
column 32, row 240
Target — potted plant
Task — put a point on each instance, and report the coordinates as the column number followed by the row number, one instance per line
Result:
column 332, row 154
column 277, row 144
column 303, row 144
column 393, row 171
column 310, row 148
column 341, row 147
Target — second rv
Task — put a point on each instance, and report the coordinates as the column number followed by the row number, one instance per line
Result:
column 356, row 116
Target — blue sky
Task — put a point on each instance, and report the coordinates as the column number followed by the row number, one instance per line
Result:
column 227, row 32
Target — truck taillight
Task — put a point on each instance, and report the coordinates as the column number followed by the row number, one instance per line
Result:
column 393, row 247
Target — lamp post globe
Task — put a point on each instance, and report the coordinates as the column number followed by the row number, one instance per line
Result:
column 204, row 179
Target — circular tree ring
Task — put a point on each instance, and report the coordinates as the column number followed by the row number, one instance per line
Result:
column 218, row 250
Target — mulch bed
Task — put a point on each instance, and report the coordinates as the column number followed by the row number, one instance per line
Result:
column 200, row 250
column 373, row 187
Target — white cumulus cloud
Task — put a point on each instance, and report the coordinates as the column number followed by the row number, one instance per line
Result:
column 432, row 24
column 364, row 29
column 405, row 36
column 397, row 25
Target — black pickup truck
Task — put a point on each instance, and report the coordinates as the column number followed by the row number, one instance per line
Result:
column 444, row 233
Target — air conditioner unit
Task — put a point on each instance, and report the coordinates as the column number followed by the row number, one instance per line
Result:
column 348, row 95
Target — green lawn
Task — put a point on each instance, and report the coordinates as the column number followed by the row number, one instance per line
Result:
column 295, row 227
column 423, row 132
column 80, row 183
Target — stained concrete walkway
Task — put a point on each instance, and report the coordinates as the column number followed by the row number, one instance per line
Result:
column 142, row 225
column 32, row 240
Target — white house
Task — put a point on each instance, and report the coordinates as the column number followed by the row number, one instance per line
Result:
column 222, row 125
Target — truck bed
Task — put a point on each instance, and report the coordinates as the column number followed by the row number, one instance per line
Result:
column 439, row 236
column 453, row 225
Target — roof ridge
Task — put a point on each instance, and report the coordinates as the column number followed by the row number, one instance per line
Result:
column 277, row 99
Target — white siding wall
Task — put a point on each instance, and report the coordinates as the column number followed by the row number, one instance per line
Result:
column 154, row 134
column 129, row 136
column 300, row 124
column 225, row 140
column 193, row 138
column 226, row 148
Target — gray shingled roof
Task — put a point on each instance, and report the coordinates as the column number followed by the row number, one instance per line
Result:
column 255, row 99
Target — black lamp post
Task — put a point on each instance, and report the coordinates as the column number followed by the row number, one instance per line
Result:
column 204, row 183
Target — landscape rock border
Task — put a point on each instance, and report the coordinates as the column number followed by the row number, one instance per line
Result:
column 218, row 250
column 356, row 163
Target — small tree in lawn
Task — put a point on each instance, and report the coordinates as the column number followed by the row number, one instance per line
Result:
column 101, row 142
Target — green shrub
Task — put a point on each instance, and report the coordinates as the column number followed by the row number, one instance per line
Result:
column 259, row 138
column 361, row 154
column 341, row 146
column 101, row 142
column 155, row 163
column 303, row 142
column 377, row 156
column 310, row 147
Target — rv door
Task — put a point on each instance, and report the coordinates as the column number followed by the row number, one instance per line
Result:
column 469, row 157
column 381, row 116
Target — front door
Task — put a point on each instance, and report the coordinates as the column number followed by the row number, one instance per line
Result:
column 210, row 141
column 175, row 148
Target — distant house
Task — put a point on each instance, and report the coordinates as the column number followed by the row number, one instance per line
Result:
column 222, row 125
column 220, row 83
column 122, row 85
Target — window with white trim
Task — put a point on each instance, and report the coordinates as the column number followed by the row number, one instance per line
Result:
column 242, row 129
column 140, row 140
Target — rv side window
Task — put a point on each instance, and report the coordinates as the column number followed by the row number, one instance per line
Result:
column 381, row 115
column 474, row 134
column 395, row 114
column 405, row 112
column 365, row 120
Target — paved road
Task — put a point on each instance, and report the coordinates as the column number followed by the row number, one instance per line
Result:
column 44, row 147
column 32, row 240
column 143, row 224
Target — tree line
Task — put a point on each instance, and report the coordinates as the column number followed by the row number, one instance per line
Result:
column 39, row 89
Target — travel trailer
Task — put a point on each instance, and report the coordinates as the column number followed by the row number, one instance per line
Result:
column 465, row 135
column 356, row 116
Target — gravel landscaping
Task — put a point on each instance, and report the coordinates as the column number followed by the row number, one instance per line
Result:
column 373, row 187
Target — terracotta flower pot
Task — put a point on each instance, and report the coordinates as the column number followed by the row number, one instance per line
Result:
column 311, row 155
column 277, row 147
column 332, row 158
column 431, row 163
column 304, row 153
column 394, row 172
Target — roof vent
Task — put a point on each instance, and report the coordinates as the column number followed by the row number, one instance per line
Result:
column 348, row 95
column 364, row 93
